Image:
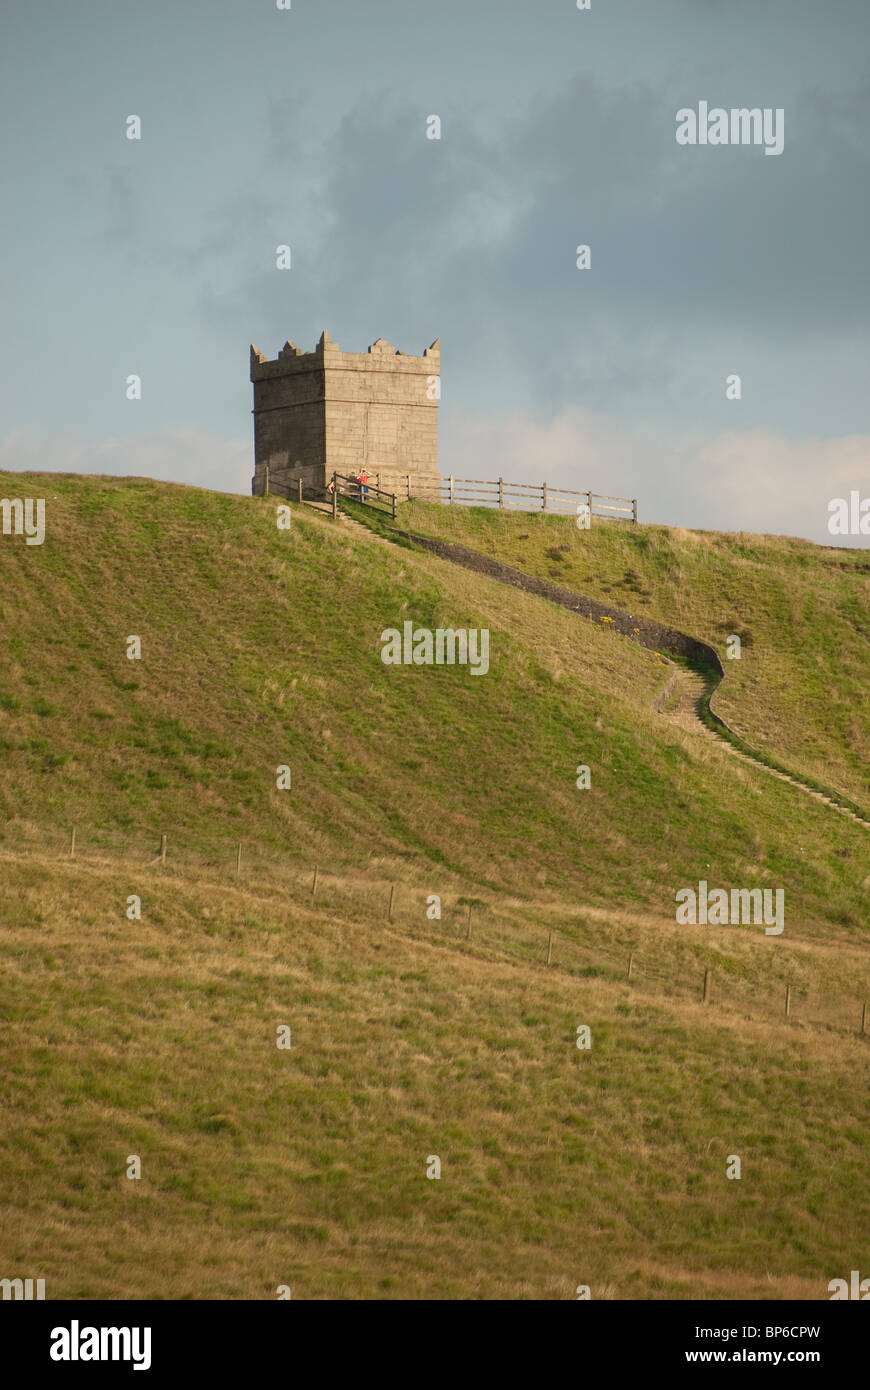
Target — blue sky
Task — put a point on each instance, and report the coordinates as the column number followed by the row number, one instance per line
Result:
column 308, row 127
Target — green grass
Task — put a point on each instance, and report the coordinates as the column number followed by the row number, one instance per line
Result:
column 261, row 648
column 307, row 1167
column 799, row 690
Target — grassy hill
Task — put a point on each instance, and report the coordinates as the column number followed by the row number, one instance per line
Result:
column 261, row 1167
column 802, row 612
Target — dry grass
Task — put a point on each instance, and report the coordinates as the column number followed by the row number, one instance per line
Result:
column 307, row 1167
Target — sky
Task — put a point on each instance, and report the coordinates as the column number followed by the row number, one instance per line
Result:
column 307, row 127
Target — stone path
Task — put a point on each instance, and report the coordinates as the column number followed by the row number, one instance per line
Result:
column 684, row 710
column 347, row 523
column 681, row 699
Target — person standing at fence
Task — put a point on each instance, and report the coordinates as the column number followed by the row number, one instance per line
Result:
column 362, row 478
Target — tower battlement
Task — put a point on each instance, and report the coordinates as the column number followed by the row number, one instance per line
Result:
column 328, row 411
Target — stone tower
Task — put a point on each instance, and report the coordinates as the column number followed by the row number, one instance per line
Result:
column 328, row 411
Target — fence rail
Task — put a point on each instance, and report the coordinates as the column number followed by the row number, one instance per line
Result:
column 370, row 494
column 525, row 497
column 468, row 492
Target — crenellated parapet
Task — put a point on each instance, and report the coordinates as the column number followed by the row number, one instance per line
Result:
column 328, row 411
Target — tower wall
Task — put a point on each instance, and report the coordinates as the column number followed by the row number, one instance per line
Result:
column 331, row 411
column 382, row 414
column 289, row 418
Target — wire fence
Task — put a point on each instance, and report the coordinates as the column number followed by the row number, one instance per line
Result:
column 686, row 972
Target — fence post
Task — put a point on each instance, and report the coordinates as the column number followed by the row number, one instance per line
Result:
column 451, row 487
column 787, row 1000
column 392, row 891
column 239, row 861
column 314, row 884
column 706, row 986
column 544, row 496
column 393, row 500
column 334, row 496
column 589, row 504
column 634, row 510
column 863, row 1018
column 72, row 843
column 408, row 485
column 501, row 492
column 630, row 963
column 300, row 489
column 549, row 948
column 162, row 849
column 266, row 488
column 468, row 932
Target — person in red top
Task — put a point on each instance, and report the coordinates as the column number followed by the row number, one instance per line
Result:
column 362, row 478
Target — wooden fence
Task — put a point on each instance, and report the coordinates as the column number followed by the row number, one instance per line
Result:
column 523, row 497
column 281, row 482
column 467, row 492
column 368, row 493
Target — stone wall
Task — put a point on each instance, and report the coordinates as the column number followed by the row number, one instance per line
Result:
column 289, row 426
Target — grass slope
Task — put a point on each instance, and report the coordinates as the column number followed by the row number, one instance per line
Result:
column 802, row 612
column 262, row 647
column 307, row 1166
